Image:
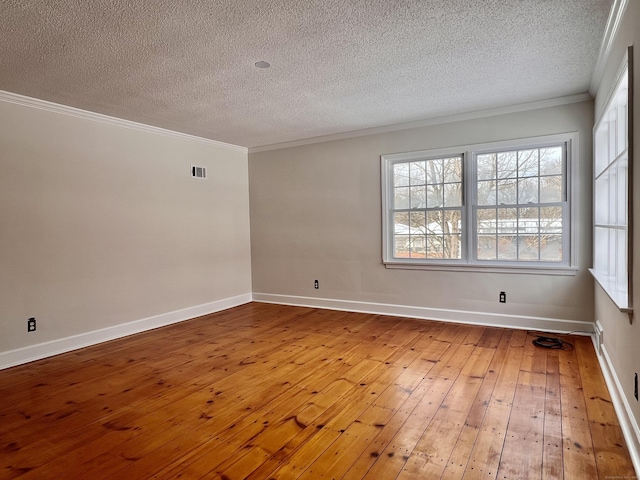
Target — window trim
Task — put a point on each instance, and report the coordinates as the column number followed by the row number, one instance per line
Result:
column 469, row 175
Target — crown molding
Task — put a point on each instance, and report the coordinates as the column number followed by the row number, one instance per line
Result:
column 581, row 97
column 23, row 100
column 611, row 30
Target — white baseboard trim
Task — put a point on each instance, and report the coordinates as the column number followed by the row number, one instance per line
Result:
column 441, row 314
column 628, row 423
column 47, row 349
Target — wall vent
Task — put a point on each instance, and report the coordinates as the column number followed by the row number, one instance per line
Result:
column 198, row 172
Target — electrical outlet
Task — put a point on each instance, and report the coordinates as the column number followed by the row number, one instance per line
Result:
column 503, row 297
column 31, row 325
column 316, row 284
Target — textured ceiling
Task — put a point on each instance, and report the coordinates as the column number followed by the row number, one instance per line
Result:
column 337, row 65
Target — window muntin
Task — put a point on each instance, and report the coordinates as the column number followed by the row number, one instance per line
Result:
column 492, row 205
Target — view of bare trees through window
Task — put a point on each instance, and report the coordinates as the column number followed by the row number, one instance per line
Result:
column 518, row 208
column 428, row 208
column 519, row 205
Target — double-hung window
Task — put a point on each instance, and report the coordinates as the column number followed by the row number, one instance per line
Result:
column 499, row 205
column 612, row 198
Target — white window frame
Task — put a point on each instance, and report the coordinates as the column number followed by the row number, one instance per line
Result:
column 612, row 174
column 468, row 262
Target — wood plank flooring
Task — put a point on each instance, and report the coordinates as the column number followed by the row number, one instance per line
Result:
column 276, row 392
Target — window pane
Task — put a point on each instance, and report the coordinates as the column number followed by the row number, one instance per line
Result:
column 487, row 192
column 453, row 169
column 507, row 249
column 528, row 163
column 434, row 246
column 418, row 224
column 612, row 254
column 400, row 174
column 528, row 221
column 551, row 161
column 452, row 221
column 452, row 246
column 612, row 133
column 452, row 194
column 621, row 267
column 613, row 193
column 507, row 220
column 601, row 148
column 434, row 171
column 401, row 198
column 528, row 247
column 401, row 223
column 486, row 166
column 418, row 197
column 417, row 246
column 507, row 165
column 528, row 190
column 401, row 246
column 602, row 200
column 487, row 220
column 435, row 195
column 620, row 216
column 434, row 222
column 551, row 248
column 486, row 247
column 507, row 192
column 601, row 246
column 417, row 173
column 551, row 220
column 551, row 189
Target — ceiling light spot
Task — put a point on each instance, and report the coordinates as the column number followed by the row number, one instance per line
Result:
column 263, row 64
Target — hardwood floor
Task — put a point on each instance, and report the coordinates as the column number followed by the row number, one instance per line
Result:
column 275, row 392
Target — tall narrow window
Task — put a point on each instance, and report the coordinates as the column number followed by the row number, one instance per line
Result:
column 612, row 153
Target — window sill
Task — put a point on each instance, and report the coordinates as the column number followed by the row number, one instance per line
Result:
column 493, row 268
column 619, row 297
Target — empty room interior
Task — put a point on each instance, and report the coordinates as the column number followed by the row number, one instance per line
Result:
column 319, row 239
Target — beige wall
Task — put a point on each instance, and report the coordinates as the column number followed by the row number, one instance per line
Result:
column 316, row 214
column 102, row 225
column 621, row 337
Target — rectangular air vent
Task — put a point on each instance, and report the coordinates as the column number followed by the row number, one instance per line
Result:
column 198, row 172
